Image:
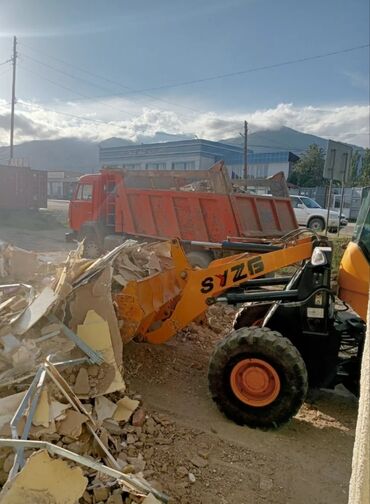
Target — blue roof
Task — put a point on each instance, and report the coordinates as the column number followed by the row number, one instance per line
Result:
column 231, row 154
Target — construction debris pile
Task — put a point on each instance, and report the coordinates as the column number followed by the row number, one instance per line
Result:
column 64, row 409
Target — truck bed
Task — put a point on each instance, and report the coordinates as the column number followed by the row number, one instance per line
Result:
column 202, row 216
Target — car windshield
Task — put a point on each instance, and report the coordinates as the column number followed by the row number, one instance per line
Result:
column 310, row 203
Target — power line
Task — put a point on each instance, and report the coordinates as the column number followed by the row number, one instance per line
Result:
column 73, row 90
column 256, row 69
column 84, row 118
column 226, row 75
column 7, row 61
column 130, row 90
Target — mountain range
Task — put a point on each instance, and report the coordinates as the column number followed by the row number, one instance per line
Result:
column 72, row 154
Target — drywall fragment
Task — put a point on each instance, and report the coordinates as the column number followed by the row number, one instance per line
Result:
column 150, row 499
column 46, row 480
column 5, row 305
column 57, row 410
column 25, row 355
column 37, row 309
column 8, row 406
column 82, row 386
column 97, row 296
column 95, row 332
column 22, row 265
column 50, row 328
column 10, row 342
column 71, row 425
column 125, row 408
column 42, row 413
column 104, row 408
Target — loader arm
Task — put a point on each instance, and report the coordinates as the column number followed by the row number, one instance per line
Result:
column 155, row 308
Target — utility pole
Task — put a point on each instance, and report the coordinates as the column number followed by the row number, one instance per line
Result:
column 245, row 171
column 14, row 61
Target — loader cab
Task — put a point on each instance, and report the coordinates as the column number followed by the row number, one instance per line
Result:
column 354, row 271
column 84, row 204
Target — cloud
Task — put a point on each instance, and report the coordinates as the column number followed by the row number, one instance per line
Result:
column 118, row 117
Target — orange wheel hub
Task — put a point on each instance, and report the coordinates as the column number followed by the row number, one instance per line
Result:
column 255, row 382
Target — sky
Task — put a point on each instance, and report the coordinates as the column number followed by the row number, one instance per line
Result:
column 92, row 69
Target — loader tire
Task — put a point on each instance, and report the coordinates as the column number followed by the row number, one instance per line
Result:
column 91, row 249
column 257, row 378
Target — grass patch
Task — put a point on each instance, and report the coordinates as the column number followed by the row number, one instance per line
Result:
column 339, row 245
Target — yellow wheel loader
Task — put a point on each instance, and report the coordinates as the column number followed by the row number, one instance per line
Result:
column 291, row 331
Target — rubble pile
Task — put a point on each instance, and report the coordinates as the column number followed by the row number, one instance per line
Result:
column 64, row 408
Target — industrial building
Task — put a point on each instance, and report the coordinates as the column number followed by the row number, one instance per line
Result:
column 195, row 154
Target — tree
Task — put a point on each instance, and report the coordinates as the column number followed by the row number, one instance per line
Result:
column 355, row 160
column 364, row 176
column 308, row 171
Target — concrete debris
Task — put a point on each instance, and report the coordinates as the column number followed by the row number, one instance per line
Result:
column 67, row 317
column 95, row 332
column 82, row 386
column 42, row 413
column 71, row 425
column 18, row 264
column 45, row 480
column 37, row 309
column 8, row 406
column 104, row 408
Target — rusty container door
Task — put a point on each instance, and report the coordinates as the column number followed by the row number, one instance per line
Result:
column 38, row 189
column 263, row 216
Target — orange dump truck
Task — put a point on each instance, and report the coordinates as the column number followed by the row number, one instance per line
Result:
column 196, row 206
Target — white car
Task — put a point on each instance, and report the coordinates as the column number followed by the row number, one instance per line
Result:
column 310, row 214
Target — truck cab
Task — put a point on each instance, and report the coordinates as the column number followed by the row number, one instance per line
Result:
column 86, row 204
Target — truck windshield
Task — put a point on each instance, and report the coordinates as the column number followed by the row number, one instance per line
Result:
column 84, row 192
column 310, row 203
column 361, row 234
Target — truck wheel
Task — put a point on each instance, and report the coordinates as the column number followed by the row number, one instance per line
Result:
column 91, row 249
column 257, row 378
column 199, row 259
column 249, row 314
column 316, row 224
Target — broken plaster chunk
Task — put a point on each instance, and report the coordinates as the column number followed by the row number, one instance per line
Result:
column 95, row 332
column 57, row 410
column 82, row 386
column 104, row 408
column 39, row 307
column 8, row 406
column 44, row 479
column 42, row 413
column 10, row 342
column 125, row 408
column 71, row 425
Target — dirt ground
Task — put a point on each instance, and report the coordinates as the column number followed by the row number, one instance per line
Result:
column 201, row 457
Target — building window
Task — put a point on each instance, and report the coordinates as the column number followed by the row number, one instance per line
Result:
column 155, row 166
column 183, row 165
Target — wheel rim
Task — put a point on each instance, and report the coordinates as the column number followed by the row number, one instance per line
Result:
column 91, row 250
column 316, row 226
column 255, row 382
